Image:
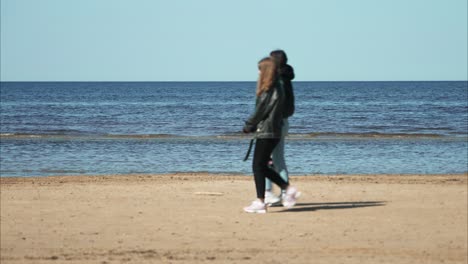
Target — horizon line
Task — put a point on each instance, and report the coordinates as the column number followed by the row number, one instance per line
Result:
column 64, row 81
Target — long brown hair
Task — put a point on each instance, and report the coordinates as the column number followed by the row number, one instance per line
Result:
column 268, row 74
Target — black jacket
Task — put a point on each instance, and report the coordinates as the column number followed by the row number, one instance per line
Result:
column 267, row 120
column 287, row 74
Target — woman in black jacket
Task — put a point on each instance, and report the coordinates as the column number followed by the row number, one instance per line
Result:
column 267, row 122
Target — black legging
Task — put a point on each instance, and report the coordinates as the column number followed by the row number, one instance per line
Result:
column 263, row 149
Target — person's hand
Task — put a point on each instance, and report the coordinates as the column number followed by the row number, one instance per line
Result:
column 249, row 129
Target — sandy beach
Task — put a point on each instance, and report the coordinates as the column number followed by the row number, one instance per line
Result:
column 198, row 218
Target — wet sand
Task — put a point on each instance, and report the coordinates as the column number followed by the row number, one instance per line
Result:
column 198, row 218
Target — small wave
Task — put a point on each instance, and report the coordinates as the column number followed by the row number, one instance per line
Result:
column 239, row 136
column 234, row 135
column 364, row 135
column 87, row 136
column 62, row 171
column 142, row 136
column 369, row 135
column 17, row 135
column 64, row 132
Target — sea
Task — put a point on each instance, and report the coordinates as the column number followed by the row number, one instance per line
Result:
column 96, row 128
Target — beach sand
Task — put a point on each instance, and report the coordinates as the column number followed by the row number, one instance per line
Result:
column 198, row 218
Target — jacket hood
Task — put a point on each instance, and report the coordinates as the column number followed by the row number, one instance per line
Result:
column 287, row 72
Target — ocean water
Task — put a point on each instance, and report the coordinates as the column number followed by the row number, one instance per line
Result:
column 65, row 128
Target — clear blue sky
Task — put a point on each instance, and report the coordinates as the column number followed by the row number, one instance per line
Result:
column 214, row 40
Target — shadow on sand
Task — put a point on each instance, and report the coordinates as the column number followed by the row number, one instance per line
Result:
column 305, row 207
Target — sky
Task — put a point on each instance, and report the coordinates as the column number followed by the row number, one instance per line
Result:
column 215, row 40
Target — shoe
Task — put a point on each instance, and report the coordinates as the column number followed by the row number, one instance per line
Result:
column 271, row 198
column 290, row 197
column 283, row 195
column 256, row 207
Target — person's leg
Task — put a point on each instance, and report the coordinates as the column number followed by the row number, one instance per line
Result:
column 268, row 185
column 279, row 161
column 262, row 153
column 278, row 154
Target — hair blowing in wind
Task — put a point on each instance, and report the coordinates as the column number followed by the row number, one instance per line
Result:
column 268, row 71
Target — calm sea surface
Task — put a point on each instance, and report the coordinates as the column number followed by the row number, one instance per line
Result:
column 61, row 128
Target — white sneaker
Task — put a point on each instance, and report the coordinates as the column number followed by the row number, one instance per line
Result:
column 290, row 197
column 271, row 198
column 256, row 207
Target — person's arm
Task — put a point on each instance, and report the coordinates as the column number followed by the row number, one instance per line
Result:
column 265, row 104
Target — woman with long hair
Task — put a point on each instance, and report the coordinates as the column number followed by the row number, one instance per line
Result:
column 267, row 122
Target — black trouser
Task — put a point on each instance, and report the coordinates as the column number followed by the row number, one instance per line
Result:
column 263, row 149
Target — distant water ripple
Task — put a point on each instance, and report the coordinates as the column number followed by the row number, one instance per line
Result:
column 306, row 136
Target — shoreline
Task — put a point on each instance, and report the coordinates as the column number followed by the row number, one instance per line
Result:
column 456, row 178
column 198, row 218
